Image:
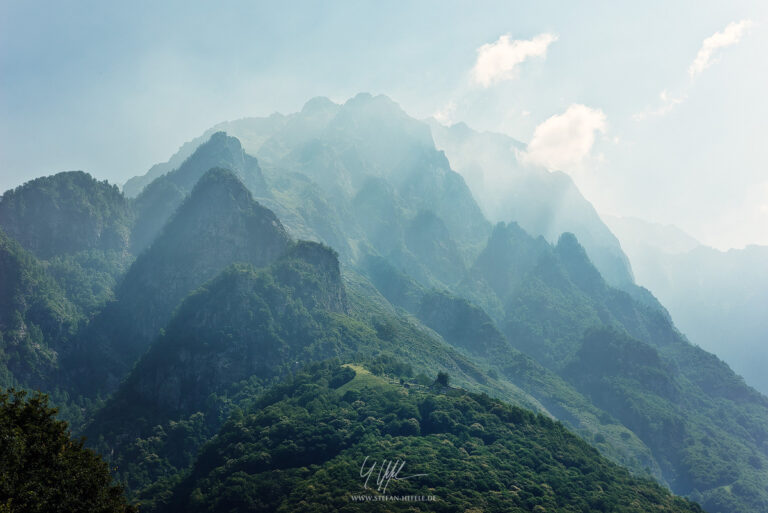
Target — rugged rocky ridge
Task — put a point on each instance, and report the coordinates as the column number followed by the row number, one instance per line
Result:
column 360, row 177
column 163, row 195
column 219, row 224
column 367, row 177
column 550, row 313
column 364, row 175
column 542, row 202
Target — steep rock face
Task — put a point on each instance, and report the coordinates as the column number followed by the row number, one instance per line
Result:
column 383, row 141
column 66, row 213
column 321, row 265
column 160, row 199
column 219, row 224
column 378, row 169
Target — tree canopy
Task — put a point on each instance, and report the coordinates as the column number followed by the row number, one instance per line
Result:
column 42, row 469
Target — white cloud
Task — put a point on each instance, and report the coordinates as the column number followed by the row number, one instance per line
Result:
column 565, row 140
column 667, row 104
column 729, row 36
column 498, row 61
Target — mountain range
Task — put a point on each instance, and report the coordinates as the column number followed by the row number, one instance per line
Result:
column 342, row 234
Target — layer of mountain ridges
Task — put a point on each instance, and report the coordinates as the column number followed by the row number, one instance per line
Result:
column 717, row 298
column 542, row 202
column 543, row 299
column 217, row 225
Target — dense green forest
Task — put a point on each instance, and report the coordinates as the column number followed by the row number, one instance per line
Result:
column 301, row 447
column 172, row 329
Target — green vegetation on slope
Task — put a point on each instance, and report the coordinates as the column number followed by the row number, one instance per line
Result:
column 36, row 319
column 66, row 213
column 218, row 224
column 708, row 446
column 302, row 445
column 367, row 177
column 233, row 336
column 468, row 328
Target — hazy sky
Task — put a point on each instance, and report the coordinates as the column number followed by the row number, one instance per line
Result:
column 657, row 109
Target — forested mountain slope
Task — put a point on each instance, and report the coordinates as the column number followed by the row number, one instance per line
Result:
column 224, row 299
column 218, row 224
column 66, row 213
column 307, row 440
column 366, row 179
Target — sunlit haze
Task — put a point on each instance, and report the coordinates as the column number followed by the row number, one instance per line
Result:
column 657, row 110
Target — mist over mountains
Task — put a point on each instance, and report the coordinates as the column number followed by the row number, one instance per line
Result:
column 717, row 298
column 307, row 276
column 541, row 202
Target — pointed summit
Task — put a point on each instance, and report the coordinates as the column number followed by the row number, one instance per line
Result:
column 511, row 253
column 223, row 151
column 580, row 269
column 221, row 209
column 160, row 198
column 319, row 105
column 217, row 225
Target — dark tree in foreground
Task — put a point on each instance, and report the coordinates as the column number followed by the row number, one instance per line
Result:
column 43, row 470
